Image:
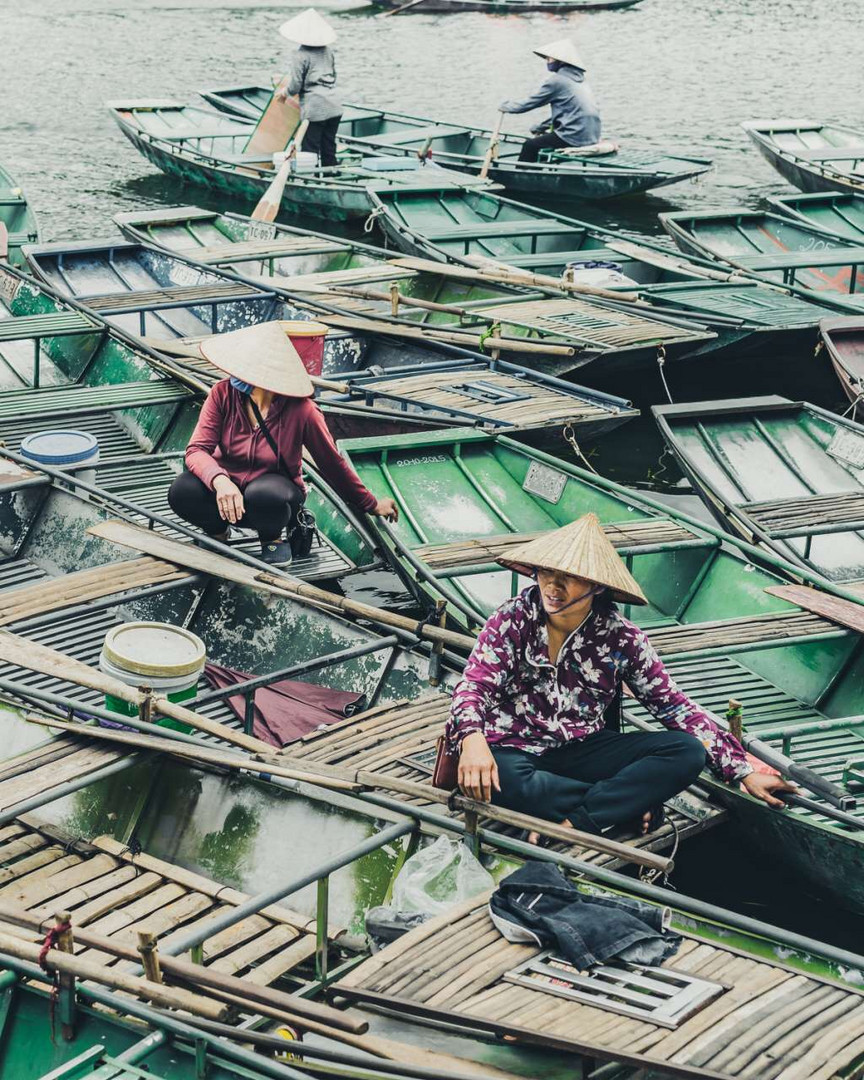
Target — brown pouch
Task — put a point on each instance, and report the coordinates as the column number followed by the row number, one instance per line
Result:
column 446, row 772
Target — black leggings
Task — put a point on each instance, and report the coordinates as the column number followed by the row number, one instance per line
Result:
column 606, row 779
column 320, row 139
column 531, row 147
column 270, row 503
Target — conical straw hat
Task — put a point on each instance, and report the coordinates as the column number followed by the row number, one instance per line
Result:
column 261, row 355
column 582, row 549
column 563, row 50
column 308, row 28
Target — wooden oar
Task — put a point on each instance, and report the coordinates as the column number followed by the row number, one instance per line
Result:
column 492, row 149
column 399, row 10
column 271, row 200
column 207, row 562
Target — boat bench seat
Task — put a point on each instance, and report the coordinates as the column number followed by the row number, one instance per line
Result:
column 532, row 227
column 795, row 260
column 71, row 401
column 641, row 536
column 837, row 153
column 266, row 249
column 415, row 134
column 726, row 634
column 51, row 324
column 808, row 515
column 173, row 296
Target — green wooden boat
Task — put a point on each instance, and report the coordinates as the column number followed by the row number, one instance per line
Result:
column 810, row 155
column 779, row 473
column 466, row 499
column 205, row 147
column 558, row 174
column 451, row 304
column 506, row 7
column 17, row 216
column 842, row 215
column 777, row 249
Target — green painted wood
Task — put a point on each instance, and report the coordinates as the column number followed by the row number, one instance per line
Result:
column 840, row 214
column 811, row 155
column 18, row 216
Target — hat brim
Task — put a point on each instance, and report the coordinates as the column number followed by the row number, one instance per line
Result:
column 285, row 376
column 528, row 569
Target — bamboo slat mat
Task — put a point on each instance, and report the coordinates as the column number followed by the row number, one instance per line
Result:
column 590, row 323
column 642, row 532
column 189, row 294
column 382, row 740
column 770, row 1023
column 266, row 249
column 48, row 766
column 115, row 893
column 814, row 510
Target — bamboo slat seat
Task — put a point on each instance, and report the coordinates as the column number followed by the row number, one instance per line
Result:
column 386, row 739
column 356, row 274
column 214, row 291
column 51, row 324
column 57, row 400
column 491, row 229
column 773, row 626
column 625, row 536
column 418, row 134
column 265, row 249
column 114, row 893
column 596, row 325
column 808, row 512
column 793, row 260
column 769, row 1021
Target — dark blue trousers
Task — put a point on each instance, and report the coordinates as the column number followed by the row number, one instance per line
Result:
column 607, row 779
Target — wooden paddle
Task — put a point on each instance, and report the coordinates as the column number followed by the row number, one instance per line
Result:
column 492, row 149
column 399, row 10
column 271, row 200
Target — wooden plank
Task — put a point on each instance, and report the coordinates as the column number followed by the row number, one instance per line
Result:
column 261, row 946
column 95, row 909
column 43, row 863
column 837, row 610
column 282, row 961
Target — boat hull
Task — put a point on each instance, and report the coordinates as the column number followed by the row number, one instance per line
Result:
column 508, row 7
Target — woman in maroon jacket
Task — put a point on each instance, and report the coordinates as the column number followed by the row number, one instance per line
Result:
column 244, row 460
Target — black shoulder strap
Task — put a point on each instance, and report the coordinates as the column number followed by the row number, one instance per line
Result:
column 265, row 431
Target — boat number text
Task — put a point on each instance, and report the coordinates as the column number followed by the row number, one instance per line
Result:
column 848, row 447
column 545, row 482
column 426, row 459
column 261, row 230
column 9, row 286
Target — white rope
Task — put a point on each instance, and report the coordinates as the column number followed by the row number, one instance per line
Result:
column 661, row 363
column 369, row 223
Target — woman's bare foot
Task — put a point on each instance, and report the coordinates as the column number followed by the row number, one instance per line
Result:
column 646, row 822
column 533, row 838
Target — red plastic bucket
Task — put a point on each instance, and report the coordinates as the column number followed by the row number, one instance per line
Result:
column 308, row 339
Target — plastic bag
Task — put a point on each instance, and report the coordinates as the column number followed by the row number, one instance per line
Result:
column 439, row 876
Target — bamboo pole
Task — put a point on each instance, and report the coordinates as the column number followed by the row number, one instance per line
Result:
column 289, row 1006
column 148, row 949
column 65, row 980
column 492, row 149
column 148, row 541
column 168, row 997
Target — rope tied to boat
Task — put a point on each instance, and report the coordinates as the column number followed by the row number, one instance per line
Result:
column 570, row 436
column 50, row 942
column 853, row 408
column 493, row 331
column 661, row 363
column 369, row 223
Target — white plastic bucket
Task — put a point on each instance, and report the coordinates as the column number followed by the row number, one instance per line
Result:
column 66, row 449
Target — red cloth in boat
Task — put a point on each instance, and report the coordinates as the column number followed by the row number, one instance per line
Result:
column 286, row 710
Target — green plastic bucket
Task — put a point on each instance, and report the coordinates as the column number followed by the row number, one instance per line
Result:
column 166, row 658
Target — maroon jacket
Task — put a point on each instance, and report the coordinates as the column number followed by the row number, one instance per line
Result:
column 225, row 442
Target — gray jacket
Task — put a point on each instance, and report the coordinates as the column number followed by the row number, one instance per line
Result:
column 575, row 116
column 312, row 77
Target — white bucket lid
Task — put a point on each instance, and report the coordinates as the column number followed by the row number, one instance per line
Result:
column 154, row 648
column 59, row 447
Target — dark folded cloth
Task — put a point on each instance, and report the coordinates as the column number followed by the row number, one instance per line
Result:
column 287, row 710
column 537, row 904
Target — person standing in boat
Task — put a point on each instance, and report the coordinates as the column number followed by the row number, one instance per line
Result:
column 312, row 78
column 528, row 718
column 243, row 462
column 575, row 119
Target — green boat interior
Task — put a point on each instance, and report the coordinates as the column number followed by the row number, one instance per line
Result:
column 841, row 214
column 774, row 247
column 17, row 216
column 829, row 146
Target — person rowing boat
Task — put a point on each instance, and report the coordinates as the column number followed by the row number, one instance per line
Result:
column 528, row 717
column 575, row 119
column 244, row 460
column 312, row 78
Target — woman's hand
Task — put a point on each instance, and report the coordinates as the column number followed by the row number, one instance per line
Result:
column 761, row 786
column 229, row 499
column 478, row 773
column 386, row 508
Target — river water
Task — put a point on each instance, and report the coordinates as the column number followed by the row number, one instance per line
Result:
column 673, row 74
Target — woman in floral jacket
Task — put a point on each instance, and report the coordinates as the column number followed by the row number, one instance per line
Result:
column 528, row 716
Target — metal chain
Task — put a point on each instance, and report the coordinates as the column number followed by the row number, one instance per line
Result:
column 650, row 875
column 569, row 435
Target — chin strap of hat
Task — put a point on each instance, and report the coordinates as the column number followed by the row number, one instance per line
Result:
column 595, row 590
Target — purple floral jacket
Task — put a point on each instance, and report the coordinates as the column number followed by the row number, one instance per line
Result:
column 512, row 692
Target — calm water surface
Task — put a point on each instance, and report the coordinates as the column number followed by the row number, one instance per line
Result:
column 673, row 74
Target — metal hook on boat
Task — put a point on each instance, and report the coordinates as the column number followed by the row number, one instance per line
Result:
column 567, row 432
